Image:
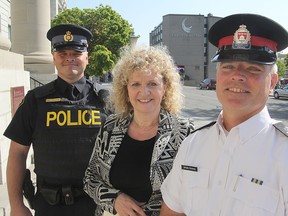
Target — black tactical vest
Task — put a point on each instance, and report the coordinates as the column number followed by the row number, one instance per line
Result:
column 64, row 135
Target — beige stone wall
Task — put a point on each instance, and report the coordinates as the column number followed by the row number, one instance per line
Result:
column 12, row 74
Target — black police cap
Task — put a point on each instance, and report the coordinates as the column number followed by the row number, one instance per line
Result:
column 69, row 36
column 247, row 37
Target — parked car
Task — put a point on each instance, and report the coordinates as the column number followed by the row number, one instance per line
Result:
column 281, row 92
column 208, row 83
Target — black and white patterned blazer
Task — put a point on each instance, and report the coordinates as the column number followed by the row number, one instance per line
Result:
column 172, row 130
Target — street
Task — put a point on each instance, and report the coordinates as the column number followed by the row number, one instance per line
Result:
column 203, row 107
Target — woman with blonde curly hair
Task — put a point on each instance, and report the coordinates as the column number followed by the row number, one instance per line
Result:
column 135, row 148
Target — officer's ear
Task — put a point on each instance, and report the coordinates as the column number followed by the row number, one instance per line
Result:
column 87, row 58
column 274, row 80
column 53, row 55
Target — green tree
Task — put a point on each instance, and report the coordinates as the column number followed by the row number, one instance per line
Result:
column 281, row 68
column 102, row 61
column 110, row 33
column 286, row 61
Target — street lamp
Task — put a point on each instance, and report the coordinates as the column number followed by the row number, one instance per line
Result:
column 133, row 40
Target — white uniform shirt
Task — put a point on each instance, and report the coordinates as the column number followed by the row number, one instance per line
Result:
column 243, row 172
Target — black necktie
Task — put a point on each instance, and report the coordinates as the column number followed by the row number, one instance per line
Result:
column 73, row 92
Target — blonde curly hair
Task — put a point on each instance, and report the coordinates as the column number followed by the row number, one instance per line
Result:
column 146, row 59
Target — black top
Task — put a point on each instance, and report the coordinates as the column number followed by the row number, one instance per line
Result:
column 23, row 123
column 130, row 171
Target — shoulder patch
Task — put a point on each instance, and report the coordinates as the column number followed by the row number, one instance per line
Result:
column 205, row 126
column 45, row 90
column 282, row 127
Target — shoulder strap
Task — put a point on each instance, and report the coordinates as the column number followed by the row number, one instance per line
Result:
column 103, row 95
column 282, row 127
column 205, row 126
column 95, row 85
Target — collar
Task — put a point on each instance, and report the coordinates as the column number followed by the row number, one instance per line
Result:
column 258, row 122
column 219, row 124
column 63, row 85
column 80, row 84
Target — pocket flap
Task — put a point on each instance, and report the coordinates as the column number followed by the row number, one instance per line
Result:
column 199, row 178
column 255, row 195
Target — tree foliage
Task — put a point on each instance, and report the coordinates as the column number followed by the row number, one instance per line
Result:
column 102, row 60
column 286, row 61
column 281, row 68
column 110, row 33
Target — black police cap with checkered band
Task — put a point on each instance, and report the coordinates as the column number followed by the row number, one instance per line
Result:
column 69, row 36
column 247, row 37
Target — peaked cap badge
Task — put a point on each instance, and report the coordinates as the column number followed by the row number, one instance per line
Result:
column 68, row 36
column 242, row 38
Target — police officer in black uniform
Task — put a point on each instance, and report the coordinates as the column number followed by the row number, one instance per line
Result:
column 61, row 120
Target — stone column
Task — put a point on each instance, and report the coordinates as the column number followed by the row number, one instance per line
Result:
column 133, row 40
column 5, row 43
column 30, row 21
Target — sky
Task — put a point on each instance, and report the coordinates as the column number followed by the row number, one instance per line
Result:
column 146, row 14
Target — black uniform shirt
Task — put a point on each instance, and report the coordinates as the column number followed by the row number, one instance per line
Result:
column 22, row 125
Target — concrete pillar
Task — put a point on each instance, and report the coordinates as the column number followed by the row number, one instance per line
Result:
column 5, row 43
column 133, row 40
column 30, row 21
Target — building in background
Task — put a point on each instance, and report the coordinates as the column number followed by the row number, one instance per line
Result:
column 185, row 36
column 56, row 7
column 5, row 25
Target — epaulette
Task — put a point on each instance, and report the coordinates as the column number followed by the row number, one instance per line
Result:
column 282, row 127
column 103, row 95
column 205, row 126
column 96, row 86
column 45, row 90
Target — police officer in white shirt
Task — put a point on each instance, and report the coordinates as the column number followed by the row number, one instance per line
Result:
column 238, row 165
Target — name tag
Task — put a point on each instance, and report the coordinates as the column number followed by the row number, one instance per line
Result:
column 190, row 168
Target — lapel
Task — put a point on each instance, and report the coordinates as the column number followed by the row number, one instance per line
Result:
column 118, row 133
column 163, row 135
